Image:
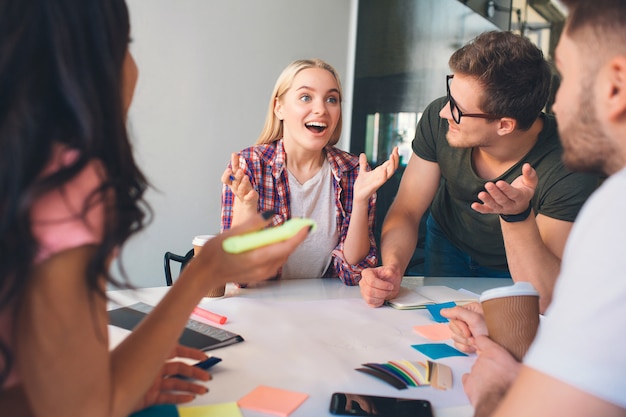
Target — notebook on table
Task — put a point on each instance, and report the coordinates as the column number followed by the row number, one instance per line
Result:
column 420, row 297
column 196, row 334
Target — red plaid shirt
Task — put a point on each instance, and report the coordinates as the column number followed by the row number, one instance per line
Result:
column 266, row 167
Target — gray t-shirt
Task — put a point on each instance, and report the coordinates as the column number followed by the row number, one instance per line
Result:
column 314, row 200
column 559, row 194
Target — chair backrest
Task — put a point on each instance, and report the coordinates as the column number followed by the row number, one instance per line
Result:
column 169, row 256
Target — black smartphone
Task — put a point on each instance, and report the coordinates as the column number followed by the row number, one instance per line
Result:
column 345, row 404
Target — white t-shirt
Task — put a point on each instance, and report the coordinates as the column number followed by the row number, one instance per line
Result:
column 582, row 340
column 314, row 199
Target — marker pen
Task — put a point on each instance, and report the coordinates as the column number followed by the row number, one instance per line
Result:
column 206, row 314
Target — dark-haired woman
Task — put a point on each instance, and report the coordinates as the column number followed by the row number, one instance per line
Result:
column 70, row 196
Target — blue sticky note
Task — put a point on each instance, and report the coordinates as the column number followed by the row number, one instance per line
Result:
column 435, row 310
column 163, row 410
column 438, row 350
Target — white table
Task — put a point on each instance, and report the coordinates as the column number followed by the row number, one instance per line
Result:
column 309, row 336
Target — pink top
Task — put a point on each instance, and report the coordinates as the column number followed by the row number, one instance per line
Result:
column 58, row 223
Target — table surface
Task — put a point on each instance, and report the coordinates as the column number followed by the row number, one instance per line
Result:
column 309, row 335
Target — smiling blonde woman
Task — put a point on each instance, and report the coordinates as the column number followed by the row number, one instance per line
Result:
column 296, row 170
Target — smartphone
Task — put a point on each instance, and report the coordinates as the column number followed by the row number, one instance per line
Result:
column 346, row 404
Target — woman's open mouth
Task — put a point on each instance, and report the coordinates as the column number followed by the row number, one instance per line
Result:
column 317, row 127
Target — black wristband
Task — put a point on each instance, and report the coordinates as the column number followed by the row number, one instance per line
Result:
column 512, row 218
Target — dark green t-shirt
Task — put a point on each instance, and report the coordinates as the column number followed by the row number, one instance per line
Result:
column 559, row 194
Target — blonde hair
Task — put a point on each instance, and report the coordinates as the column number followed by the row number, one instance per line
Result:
column 273, row 128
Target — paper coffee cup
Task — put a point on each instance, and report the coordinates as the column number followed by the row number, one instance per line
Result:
column 512, row 316
column 198, row 242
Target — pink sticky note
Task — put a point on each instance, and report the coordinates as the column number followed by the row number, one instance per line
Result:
column 272, row 400
column 436, row 332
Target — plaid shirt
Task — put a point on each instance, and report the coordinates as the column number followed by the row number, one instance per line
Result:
column 265, row 165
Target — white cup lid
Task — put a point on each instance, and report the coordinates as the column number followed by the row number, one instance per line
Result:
column 517, row 289
column 200, row 240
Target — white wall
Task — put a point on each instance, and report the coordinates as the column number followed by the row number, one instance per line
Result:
column 206, row 70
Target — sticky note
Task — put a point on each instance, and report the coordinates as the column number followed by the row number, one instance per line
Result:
column 435, row 311
column 214, row 410
column 253, row 240
column 163, row 410
column 438, row 350
column 434, row 332
column 271, row 400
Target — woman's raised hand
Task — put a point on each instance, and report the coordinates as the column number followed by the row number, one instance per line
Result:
column 369, row 181
column 239, row 183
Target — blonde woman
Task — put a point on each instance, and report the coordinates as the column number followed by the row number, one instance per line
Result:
column 295, row 170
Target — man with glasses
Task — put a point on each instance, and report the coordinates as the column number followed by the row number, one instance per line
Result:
column 487, row 163
column 576, row 365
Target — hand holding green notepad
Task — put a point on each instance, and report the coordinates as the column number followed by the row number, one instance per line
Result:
column 253, row 240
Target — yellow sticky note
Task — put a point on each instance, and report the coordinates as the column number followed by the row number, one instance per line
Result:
column 270, row 400
column 213, row 410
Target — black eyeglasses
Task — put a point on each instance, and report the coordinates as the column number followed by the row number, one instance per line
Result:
column 457, row 113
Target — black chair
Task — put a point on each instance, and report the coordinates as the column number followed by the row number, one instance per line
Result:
column 169, row 256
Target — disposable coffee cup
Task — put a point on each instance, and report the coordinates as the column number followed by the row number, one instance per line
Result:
column 198, row 242
column 512, row 316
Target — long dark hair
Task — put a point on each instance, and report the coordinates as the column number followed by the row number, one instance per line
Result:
column 61, row 82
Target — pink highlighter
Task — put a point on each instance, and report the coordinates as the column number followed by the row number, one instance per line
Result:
column 206, row 314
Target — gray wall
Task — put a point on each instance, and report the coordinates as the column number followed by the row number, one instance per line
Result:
column 206, row 70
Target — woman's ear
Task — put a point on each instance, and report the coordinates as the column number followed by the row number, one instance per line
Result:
column 278, row 108
column 615, row 88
